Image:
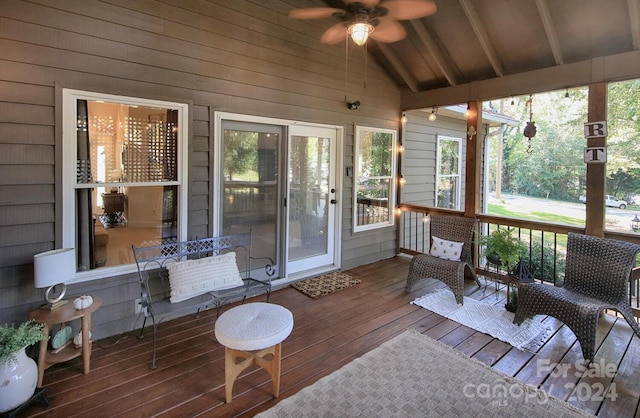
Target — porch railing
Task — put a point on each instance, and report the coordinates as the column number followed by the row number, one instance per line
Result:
column 546, row 244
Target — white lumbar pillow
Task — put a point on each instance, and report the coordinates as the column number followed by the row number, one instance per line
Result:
column 191, row 278
column 449, row 250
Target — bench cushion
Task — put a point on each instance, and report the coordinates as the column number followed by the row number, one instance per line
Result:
column 191, row 278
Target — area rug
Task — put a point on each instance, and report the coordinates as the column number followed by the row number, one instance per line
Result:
column 413, row 375
column 325, row 284
column 484, row 317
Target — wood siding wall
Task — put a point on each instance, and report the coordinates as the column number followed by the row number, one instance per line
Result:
column 419, row 159
column 239, row 56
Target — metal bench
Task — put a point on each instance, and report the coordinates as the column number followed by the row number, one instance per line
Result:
column 152, row 261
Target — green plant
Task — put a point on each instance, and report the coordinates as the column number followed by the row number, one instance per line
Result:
column 507, row 248
column 549, row 268
column 13, row 339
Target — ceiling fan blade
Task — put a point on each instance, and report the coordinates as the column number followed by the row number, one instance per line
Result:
column 334, row 34
column 314, row 13
column 368, row 3
column 388, row 30
column 409, row 9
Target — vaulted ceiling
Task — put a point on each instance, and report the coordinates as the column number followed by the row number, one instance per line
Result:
column 510, row 43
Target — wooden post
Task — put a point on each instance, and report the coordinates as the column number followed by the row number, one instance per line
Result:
column 596, row 172
column 472, row 165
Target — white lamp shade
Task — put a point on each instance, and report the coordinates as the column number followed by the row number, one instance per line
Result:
column 54, row 267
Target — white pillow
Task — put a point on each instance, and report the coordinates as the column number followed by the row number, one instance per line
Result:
column 449, row 250
column 191, row 278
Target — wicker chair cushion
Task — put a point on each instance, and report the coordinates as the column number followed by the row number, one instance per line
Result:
column 449, row 250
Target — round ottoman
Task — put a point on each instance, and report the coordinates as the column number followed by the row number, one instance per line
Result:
column 249, row 333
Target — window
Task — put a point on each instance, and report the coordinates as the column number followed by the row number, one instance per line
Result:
column 448, row 175
column 124, row 162
column 542, row 178
column 623, row 156
column 374, row 185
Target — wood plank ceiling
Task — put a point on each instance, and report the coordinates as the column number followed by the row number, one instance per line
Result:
column 469, row 41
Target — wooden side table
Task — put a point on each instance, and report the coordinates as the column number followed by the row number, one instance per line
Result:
column 46, row 357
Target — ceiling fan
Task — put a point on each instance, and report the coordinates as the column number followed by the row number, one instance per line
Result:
column 364, row 18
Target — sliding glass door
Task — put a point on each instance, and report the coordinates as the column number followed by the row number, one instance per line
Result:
column 249, row 186
column 278, row 179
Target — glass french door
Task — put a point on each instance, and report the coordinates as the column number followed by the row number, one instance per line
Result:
column 279, row 181
column 311, row 198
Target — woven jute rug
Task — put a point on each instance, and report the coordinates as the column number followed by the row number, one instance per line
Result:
column 413, row 375
column 325, row 284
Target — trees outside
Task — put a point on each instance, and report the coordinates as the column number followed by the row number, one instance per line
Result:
column 551, row 164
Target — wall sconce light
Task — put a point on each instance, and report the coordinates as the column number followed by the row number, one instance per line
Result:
column 354, row 105
column 434, row 114
column 398, row 211
column 402, row 180
column 401, row 148
column 404, row 119
column 51, row 269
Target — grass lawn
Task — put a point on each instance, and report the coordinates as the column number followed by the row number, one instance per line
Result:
column 501, row 210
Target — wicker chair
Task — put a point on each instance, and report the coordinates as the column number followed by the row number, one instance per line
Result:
column 596, row 278
column 451, row 273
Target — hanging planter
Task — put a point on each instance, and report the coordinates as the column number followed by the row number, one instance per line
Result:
column 18, row 372
column 530, row 130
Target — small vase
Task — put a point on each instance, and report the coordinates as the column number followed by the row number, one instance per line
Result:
column 18, row 378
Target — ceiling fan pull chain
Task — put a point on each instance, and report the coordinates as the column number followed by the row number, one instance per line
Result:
column 366, row 55
column 346, row 64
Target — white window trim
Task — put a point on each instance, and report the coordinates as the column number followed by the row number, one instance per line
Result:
column 392, row 177
column 458, row 174
column 69, row 185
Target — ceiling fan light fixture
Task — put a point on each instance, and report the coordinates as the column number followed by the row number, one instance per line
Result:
column 360, row 32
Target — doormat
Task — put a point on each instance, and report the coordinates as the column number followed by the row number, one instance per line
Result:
column 325, row 284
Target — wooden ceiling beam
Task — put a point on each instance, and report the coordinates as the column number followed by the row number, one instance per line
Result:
column 624, row 66
column 397, row 65
column 434, row 51
column 550, row 30
column 481, row 34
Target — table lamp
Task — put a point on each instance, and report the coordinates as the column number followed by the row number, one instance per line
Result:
column 51, row 269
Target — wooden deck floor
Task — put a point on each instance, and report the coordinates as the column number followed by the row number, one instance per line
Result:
column 328, row 333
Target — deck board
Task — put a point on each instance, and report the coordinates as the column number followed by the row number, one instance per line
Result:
column 329, row 332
